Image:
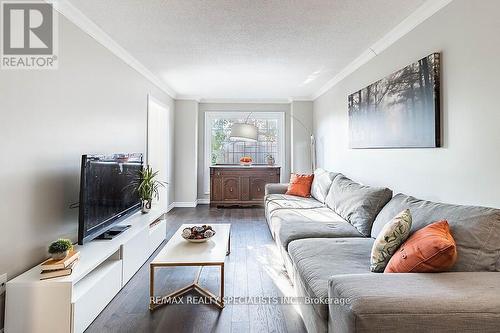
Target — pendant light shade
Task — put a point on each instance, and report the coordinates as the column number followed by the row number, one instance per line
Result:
column 243, row 132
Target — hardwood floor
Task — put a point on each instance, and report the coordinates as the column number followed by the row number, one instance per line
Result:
column 254, row 268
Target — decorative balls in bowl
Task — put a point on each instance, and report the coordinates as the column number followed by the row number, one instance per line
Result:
column 198, row 234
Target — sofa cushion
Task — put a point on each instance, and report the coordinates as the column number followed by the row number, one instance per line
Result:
column 389, row 240
column 358, row 204
column 416, row 302
column 316, row 260
column 321, row 184
column 476, row 230
column 273, row 202
column 292, row 201
column 287, row 225
column 429, row 250
column 276, row 188
column 300, row 185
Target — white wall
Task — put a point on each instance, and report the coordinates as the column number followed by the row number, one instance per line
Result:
column 239, row 107
column 467, row 169
column 186, row 152
column 301, row 127
column 159, row 154
column 93, row 103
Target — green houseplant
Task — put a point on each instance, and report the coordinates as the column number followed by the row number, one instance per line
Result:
column 147, row 186
column 60, row 248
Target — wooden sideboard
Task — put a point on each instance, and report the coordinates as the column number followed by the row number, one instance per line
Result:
column 234, row 185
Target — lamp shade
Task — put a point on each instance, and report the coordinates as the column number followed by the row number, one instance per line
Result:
column 243, row 132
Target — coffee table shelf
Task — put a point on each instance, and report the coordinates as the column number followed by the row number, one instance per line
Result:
column 179, row 252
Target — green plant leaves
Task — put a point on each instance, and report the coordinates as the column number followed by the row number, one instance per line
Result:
column 146, row 185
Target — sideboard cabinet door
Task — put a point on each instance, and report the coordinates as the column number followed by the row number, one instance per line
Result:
column 230, row 188
column 257, row 187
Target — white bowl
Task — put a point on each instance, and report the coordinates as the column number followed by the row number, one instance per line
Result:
column 197, row 240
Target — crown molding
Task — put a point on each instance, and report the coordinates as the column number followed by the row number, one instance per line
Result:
column 246, row 100
column 188, row 98
column 243, row 101
column 300, row 99
column 429, row 8
column 74, row 15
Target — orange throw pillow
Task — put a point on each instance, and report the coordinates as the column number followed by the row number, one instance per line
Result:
column 430, row 249
column 300, row 185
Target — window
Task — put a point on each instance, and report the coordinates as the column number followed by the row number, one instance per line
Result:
column 219, row 149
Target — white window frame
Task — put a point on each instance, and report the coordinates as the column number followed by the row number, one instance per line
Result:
column 211, row 115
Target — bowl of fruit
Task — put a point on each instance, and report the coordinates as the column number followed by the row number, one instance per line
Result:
column 198, row 234
column 246, row 160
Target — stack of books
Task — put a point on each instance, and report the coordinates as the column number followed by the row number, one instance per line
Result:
column 55, row 268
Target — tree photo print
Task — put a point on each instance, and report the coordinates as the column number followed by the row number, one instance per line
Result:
column 399, row 111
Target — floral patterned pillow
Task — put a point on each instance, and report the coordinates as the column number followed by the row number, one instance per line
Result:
column 389, row 240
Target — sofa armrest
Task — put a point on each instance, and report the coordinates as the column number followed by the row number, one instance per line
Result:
column 444, row 302
column 276, row 188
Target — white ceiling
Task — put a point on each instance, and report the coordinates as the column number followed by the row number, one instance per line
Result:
column 252, row 49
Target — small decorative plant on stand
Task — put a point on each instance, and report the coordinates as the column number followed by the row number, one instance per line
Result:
column 148, row 187
column 270, row 159
column 60, row 248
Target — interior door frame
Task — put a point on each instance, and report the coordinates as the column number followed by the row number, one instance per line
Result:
column 167, row 154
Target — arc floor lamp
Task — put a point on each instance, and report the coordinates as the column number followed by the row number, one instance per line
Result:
column 249, row 132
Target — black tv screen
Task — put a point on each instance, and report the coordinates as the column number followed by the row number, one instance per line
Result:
column 107, row 194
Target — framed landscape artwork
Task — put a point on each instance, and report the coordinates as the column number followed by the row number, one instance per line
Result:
column 399, row 111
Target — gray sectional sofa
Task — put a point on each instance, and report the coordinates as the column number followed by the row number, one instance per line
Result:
column 326, row 241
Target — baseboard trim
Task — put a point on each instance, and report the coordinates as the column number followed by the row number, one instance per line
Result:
column 186, row 204
column 203, row 201
column 169, row 208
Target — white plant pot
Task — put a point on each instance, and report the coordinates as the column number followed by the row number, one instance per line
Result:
column 59, row 255
column 146, row 206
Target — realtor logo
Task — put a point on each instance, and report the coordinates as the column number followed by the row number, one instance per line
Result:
column 29, row 37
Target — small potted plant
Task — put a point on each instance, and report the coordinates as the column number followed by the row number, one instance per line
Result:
column 148, row 187
column 270, row 159
column 60, row 248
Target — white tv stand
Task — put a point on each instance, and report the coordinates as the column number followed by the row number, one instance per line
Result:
column 71, row 303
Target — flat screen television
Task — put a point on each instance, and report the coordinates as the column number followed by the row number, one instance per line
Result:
column 107, row 194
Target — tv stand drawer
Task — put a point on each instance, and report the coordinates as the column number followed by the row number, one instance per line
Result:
column 135, row 252
column 94, row 292
column 157, row 234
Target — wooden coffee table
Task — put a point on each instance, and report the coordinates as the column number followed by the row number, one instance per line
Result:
column 179, row 252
